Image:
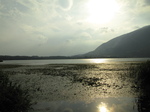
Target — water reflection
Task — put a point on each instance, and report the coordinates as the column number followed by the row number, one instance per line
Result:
column 98, row 60
column 102, row 107
column 122, row 104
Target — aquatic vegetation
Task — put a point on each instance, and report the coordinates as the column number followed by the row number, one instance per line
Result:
column 143, row 72
column 141, row 75
column 72, row 81
column 12, row 97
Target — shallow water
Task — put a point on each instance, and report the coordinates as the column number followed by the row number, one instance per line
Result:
column 73, row 61
column 110, row 104
column 104, row 87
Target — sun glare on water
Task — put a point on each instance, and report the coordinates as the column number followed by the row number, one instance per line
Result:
column 98, row 60
column 102, row 108
column 101, row 11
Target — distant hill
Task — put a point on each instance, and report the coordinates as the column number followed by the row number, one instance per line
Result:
column 133, row 44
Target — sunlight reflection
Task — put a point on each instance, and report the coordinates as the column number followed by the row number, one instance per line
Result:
column 102, row 108
column 98, row 60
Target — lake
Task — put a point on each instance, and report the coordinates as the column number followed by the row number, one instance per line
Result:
column 79, row 85
column 73, row 61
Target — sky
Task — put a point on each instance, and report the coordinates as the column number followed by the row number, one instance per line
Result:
column 66, row 27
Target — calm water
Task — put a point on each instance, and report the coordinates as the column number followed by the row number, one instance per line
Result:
column 122, row 104
column 73, row 61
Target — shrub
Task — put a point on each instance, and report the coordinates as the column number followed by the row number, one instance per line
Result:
column 12, row 97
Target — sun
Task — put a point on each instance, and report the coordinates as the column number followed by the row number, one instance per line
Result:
column 101, row 11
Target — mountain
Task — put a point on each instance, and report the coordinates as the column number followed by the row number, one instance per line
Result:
column 133, row 44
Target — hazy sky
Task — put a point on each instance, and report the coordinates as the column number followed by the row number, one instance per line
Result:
column 66, row 27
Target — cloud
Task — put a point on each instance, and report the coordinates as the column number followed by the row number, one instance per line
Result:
column 54, row 25
column 147, row 2
column 144, row 3
column 1, row 6
column 85, row 35
column 65, row 4
column 106, row 30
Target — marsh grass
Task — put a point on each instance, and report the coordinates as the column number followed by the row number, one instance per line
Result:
column 143, row 78
column 141, row 75
column 12, row 97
